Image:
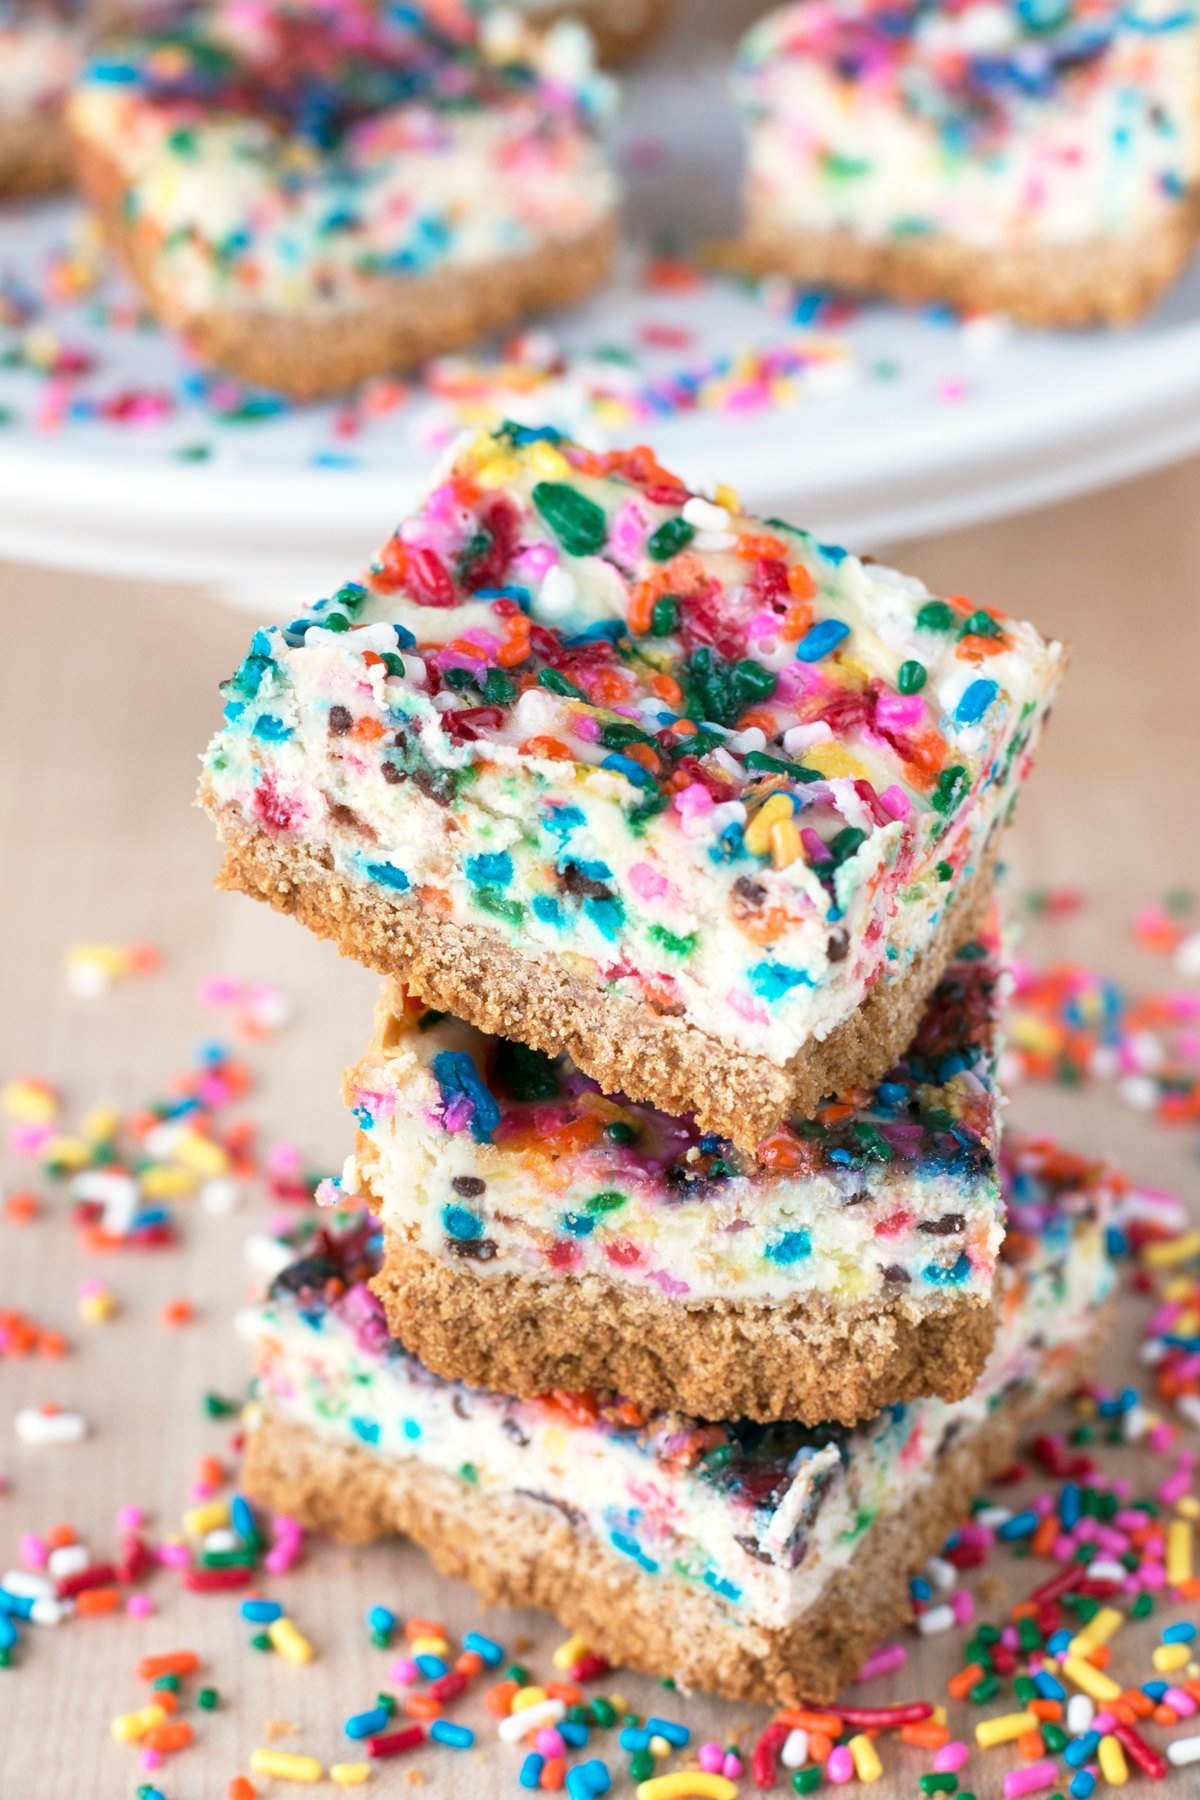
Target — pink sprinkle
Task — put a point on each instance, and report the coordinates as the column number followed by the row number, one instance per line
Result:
column 586, row 728
column 711, row 1757
column 173, row 1556
column 34, row 1553
column 731, row 1768
column 549, row 1742
column 218, row 990
column 962, row 1606
column 1182, row 1702
column 694, row 801
column 1031, row 1780
column 952, row 388
column 404, row 1672
column 1175, row 1487
column 952, row 1757
column 130, row 1518
column 883, row 1661
column 840, row 1767
column 895, row 802
column 150, row 1759
column 139, row 1606
column 647, row 882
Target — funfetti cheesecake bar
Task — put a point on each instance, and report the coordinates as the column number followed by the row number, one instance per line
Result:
column 1039, row 160
column 620, row 28
column 540, row 1234
column 41, row 46
column 760, row 1561
column 611, row 768
column 323, row 190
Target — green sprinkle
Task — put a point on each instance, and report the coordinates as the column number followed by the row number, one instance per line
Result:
column 806, row 1781
column 217, row 1407
column 621, row 1133
column 557, row 683
column 604, row 1714
column 1143, row 1606
column 580, row 526
column 935, row 615
column 952, row 786
column 665, row 616
column 912, row 677
column 842, row 846
column 641, row 1765
column 780, row 765
column 938, row 1784
column 672, row 536
column 166, row 1684
column 1054, row 1737
column 208, row 1698
column 497, row 689
column 673, row 945
column 945, row 872
column 260, row 1641
column 517, row 1672
column 608, row 1201
column 985, row 1690
column 980, row 624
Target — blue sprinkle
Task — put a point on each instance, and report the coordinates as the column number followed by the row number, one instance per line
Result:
column 633, row 1739
column 820, row 639
column 573, row 1732
column 366, row 1429
column 531, row 1772
column 772, row 980
column 19, row 1605
column 1070, row 1505
column 920, row 1589
column 1082, row 1749
column 242, row 1518
column 792, row 1247
column 952, row 1277
column 491, row 1652
column 261, row 1612
column 432, row 1667
column 628, row 1546
column 492, row 870
column 548, row 910
column 1083, row 1785
column 632, row 771
column 608, row 916
column 271, row 729
column 1048, row 1687
column 388, row 875
column 578, row 1224
column 459, row 1222
column 366, row 1724
column 588, row 1780
column 975, row 701
column 456, row 1737
column 1020, row 1525
column 561, row 821
column 833, row 553
column 1059, row 1642
column 1155, row 1690
column 677, row 1735
column 8, row 1632
column 1182, row 1633
column 455, row 1073
column 381, row 1618
column 411, row 1429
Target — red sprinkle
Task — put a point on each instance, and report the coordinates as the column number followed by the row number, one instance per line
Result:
column 395, row 1743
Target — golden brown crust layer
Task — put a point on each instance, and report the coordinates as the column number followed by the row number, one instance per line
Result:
column 475, row 974
column 315, row 354
column 1103, row 281
column 801, row 1359
column 33, row 155
column 621, row 28
column 517, row 1552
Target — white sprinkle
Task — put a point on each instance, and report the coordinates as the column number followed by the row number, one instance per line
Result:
column 37, row 1426
column 1080, row 1712
column 992, row 1517
column 1106, row 1570
column 68, row 1559
column 1147, row 1051
column 519, row 1724
column 51, row 1611
column 1183, row 1751
column 1187, row 956
column 742, row 741
column 446, row 701
column 87, row 980
column 267, row 1254
column 220, row 1195
column 221, row 1539
column 25, row 1585
column 1188, row 1407
column 794, row 1754
column 557, row 594
column 349, row 1178
column 1139, row 1091
column 713, row 540
column 1133, row 1424
column 941, row 1575
column 935, row 1619
column 533, row 712
column 799, row 738
column 705, row 515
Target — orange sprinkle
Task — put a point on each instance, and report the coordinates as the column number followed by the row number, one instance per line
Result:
column 1048, row 1711
column 554, row 1774
column 175, row 1736
column 499, row 1699
column 175, row 1662
column 566, row 1691
column 21, row 1207
column 469, row 1662
column 59, row 1536
column 669, row 690
column 178, row 1312
column 1031, row 1745
column 925, row 1735
column 241, row 1789
column 799, row 1718
column 960, row 1685
column 548, row 747
column 796, row 620
column 423, row 1706
column 801, row 583
column 753, row 547
column 820, row 1745
column 97, row 1600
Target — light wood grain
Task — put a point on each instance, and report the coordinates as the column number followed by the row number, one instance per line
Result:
column 107, row 693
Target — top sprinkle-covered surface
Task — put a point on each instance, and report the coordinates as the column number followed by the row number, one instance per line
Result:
column 732, row 770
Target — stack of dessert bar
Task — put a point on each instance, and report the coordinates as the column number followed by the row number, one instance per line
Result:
column 686, row 1307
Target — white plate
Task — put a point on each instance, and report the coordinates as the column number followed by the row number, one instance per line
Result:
column 893, row 423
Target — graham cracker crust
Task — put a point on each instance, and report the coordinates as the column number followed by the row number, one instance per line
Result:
column 1101, row 281
column 33, row 155
column 801, row 1359
column 315, row 354
column 518, row 1552
column 473, row 973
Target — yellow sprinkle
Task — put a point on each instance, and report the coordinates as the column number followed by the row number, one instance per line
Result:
column 785, row 843
column 546, row 461
column 198, row 1521
column 1004, row 1729
column 287, row 1766
column 527, row 1696
column 499, row 472
column 831, row 760
column 68, row 1153
column 1189, row 1506
column 687, row 1784
column 1169, row 1657
column 867, row 1765
column 1093, row 1682
column 757, row 836
column 349, row 1774
column 102, row 1123
column 1097, row 1631
column 201, row 1154
column 569, row 1653
column 1113, row 1766
column 1169, row 1251
column 728, row 497
column 29, row 1099
column 659, row 1747
column 1179, row 1552
column 128, row 1727
column 429, row 1646
column 290, row 1643
column 161, row 1182
column 97, row 1309
column 1179, row 1287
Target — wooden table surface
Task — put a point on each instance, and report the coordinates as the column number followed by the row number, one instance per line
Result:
column 107, row 694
